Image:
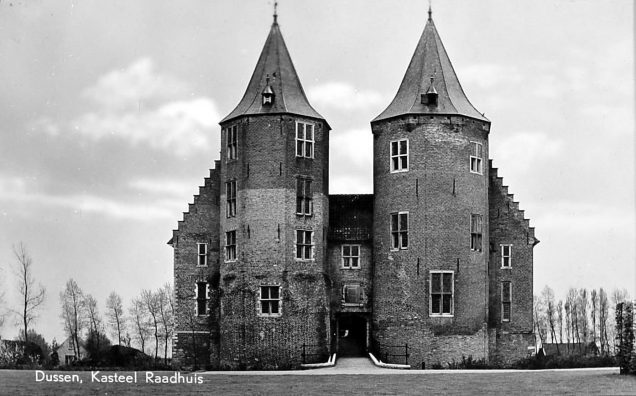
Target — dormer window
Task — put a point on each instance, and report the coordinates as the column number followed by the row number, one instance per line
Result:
column 430, row 97
column 268, row 94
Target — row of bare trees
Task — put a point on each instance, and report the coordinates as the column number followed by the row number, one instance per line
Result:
column 583, row 318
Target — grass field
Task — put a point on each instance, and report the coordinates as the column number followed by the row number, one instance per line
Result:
column 596, row 382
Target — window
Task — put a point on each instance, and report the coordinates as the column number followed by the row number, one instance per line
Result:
column 202, row 254
column 399, row 230
column 270, row 301
column 442, row 293
column 400, row 155
column 350, row 256
column 304, row 205
column 476, row 155
column 304, row 245
column 230, row 195
column 201, row 296
column 506, row 256
column 304, row 140
column 475, row 232
column 352, row 294
column 230, row 246
column 506, row 299
column 232, row 142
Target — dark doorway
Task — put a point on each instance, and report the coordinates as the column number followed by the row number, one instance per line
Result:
column 352, row 335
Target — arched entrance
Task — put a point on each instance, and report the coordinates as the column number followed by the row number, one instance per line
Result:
column 352, row 335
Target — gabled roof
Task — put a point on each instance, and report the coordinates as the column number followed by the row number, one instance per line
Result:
column 276, row 65
column 430, row 60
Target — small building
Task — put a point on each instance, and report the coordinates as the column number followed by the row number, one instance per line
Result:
column 66, row 352
column 570, row 349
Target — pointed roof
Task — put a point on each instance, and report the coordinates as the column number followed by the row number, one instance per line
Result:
column 275, row 70
column 430, row 60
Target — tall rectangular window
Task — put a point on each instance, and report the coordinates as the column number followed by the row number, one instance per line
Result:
column 232, row 142
column 506, row 300
column 304, row 204
column 442, row 288
column 230, row 246
column 202, row 254
column 476, row 157
column 270, row 304
column 351, row 256
column 230, row 194
column 506, row 256
column 201, row 296
column 400, row 155
column 304, row 140
column 304, row 245
column 476, row 232
column 399, row 230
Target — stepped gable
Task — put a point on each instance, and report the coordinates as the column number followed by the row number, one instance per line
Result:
column 351, row 217
column 430, row 70
column 274, row 74
column 511, row 206
column 206, row 196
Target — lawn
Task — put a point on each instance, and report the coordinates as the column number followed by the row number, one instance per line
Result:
column 595, row 382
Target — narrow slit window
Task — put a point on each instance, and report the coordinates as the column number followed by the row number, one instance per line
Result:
column 506, row 301
column 232, row 142
column 230, row 193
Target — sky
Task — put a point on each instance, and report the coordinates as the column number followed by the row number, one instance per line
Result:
column 109, row 122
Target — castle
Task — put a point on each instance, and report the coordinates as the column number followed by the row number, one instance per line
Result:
column 270, row 271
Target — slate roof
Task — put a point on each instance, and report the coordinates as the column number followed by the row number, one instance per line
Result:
column 430, row 60
column 351, row 217
column 276, row 64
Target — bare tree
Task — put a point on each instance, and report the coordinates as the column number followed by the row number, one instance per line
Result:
column 559, row 309
column 603, row 317
column 540, row 324
column 115, row 314
column 568, row 323
column 73, row 313
column 573, row 301
column 31, row 297
column 139, row 321
column 619, row 296
column 593, row 314
column 166, row 314
column 95, row 324
column 547, row 295
column 151, row 302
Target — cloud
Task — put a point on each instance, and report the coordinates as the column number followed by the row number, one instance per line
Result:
column 343, row 96
column 161, row 187
column 567, row 216
column 524, row 149
column 351, row 154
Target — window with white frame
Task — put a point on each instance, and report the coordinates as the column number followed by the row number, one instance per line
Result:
column 304, row 245
column 506, row 300
column 351, row 256
column 202, row 254
column 400, row 155
column 232, row 142
column 352, row 294
column 270, row 304
column 399, row 230
column 201, row 296
column 476, row 157
column 304, row 139
column 304, row 204
column 230, row 246
column 476, row 225
column 230, row 196
column 506, row 256
column 442, row 290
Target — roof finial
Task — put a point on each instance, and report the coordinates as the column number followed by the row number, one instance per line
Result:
column 275, row 11
column 430, row 11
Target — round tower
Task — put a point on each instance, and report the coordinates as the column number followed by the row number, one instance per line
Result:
column 431, row 214
column 274, row 212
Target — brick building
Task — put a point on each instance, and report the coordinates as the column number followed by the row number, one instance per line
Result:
column 270, row 270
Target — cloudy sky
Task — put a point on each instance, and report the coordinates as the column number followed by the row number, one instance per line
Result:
column 109, row 113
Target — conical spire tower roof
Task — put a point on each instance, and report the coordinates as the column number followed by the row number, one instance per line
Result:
column 275, row 73
column 430, row 61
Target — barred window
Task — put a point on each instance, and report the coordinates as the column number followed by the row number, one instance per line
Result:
column 270, row 303
column 506, row 256
column 476, row 232
column 202, row 254
column 201, row 297
column 304, row 204
column 400, row 155
column 506, row 300
column 304, row 245
column 230, row 194
column 442, row 289
column 232, row 142
column 399, row 230
column 350, row 256
column 304, row 140
column 230, row 246
column 476, row 157
column 352, row 294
